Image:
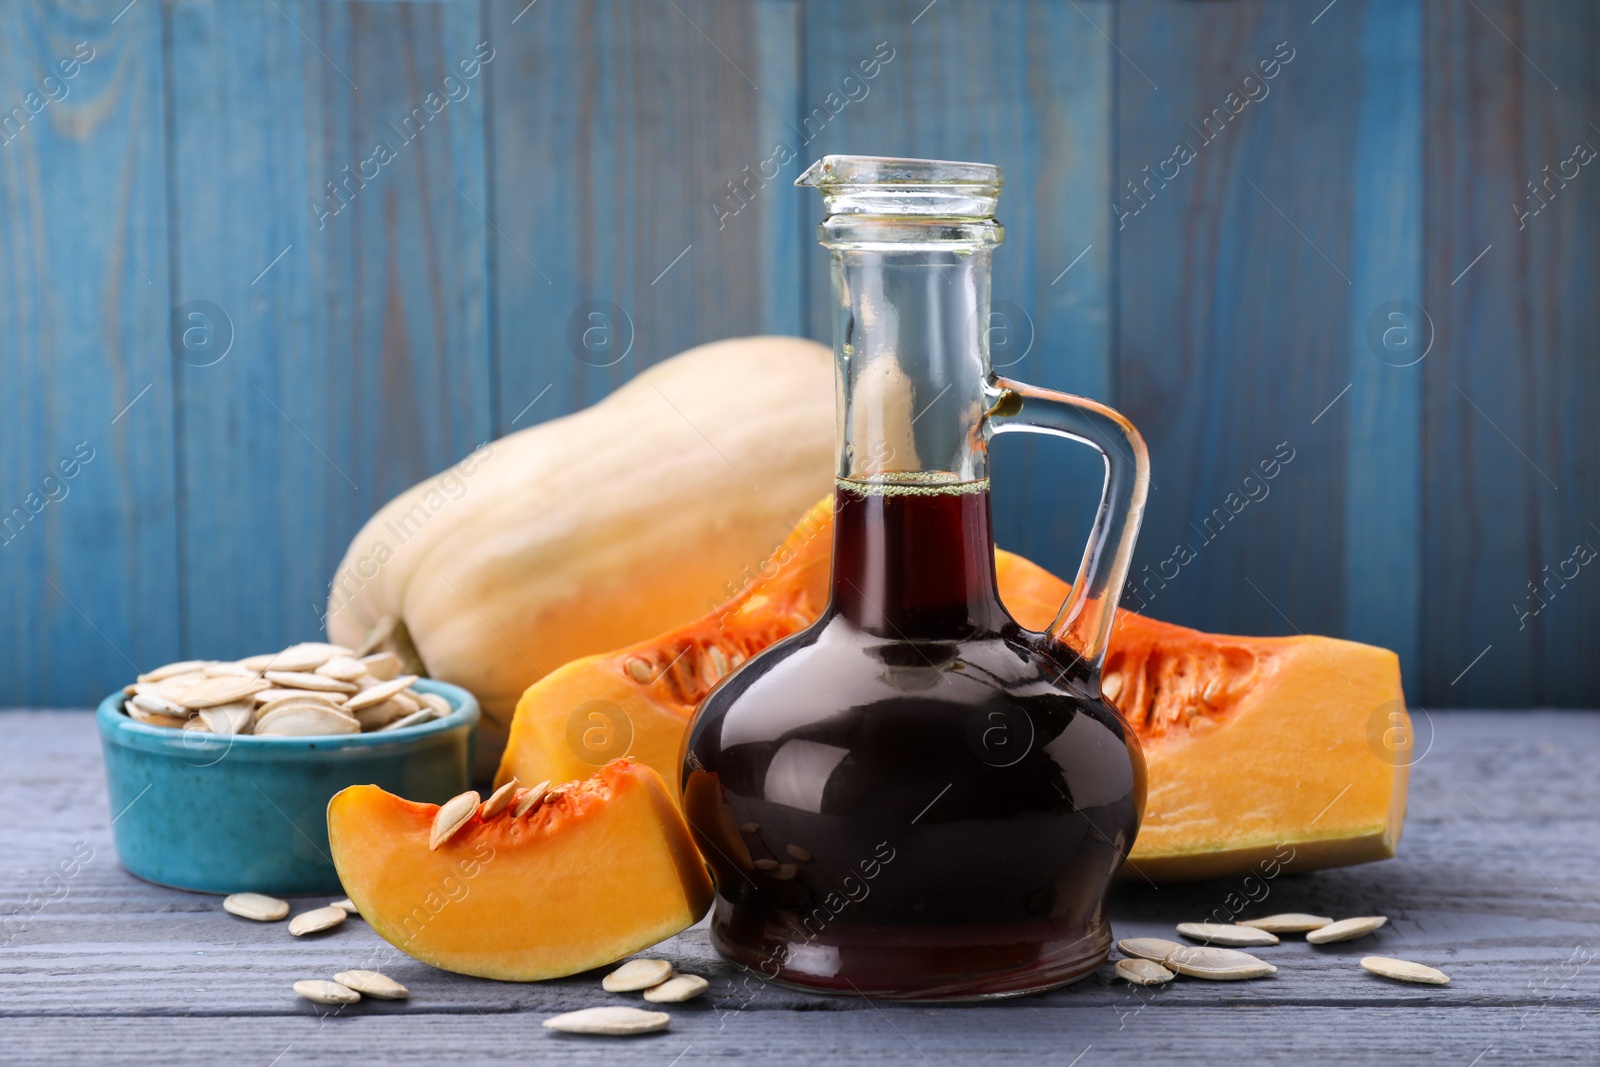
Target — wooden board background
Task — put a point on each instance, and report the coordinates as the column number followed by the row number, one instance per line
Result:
column 585, row 171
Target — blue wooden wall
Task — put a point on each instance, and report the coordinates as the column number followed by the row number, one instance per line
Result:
column 222, row 347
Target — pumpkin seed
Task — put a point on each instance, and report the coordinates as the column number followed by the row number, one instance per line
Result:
column 414, row 719
column 372, row 984
column 367, row 698
column 213, row 691
column 750, row 827
column 453, row 814
column 798, row 853
column 635, row 975
column 196, row 725
column 1227, row 934
column 785, row 872
column 638, row 670
column 1143, row 972
column 304, row 718
column 677, row 989
column 187, row 666
column 304, row 680
column 257, row 906
column 380, row 715
column 1111, row 686
column 156, row 718
column 157, row 704
column 277, row 696
column 228, row 670
column 718, row 662
column 342, row 668
column 1217, row 964
column 259, row 663
column 384, row 666
column 228, row 719
column 1148, row 948
column 498, row 801
column 611, row 1021
column 347, row 904
column 529, row 800
column 1401, row 970
column 317, row 920
column 765, row 864
column 441, row 707
column 1346, row 929
column 322, row 991
column 1290, row 922
column 308, row 656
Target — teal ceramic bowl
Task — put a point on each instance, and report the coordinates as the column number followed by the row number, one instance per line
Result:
column 249, row 814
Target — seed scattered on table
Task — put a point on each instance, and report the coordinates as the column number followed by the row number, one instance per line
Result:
column 615, row 1022
column 1404, row 970
column 372, row 984
column 261, row 908
column 1217, row 964
column 677, row 989
column 322, row 991
column 452, row 816
column 1141, row 972
column 796, row 852
column 636, row 975
column 1346, row 929
column 765, row 864
column 1227, row 934
column 347, row 904
column 1147, row 948
column 316, row 920
column 1290, row 922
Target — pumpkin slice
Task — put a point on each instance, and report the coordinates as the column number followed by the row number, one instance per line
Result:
column 594, row 871
column 1258, row 750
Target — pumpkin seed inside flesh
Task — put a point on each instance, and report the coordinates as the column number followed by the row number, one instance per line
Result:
column 1227, row 934
column 635, row 975
column 372, row 984
column 322, row 991
column 1217, row 964
column 1148, row 948
column 1290, row 922
column 257, row 906
column 1346, row 929
column 453, row 814
column 1143, row 972
column 367, row 698
column 1402, row 970
column 529, row 800
column 317, row 920
column 498, row 801
column 677, row 989
column 612, row 1021
column 638, row 670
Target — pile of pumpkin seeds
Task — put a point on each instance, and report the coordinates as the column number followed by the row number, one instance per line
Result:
column 309, row 689
column 1154, row 961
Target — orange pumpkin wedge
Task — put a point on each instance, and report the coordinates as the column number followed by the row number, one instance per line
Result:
column 596, row 870
column 1258, row 750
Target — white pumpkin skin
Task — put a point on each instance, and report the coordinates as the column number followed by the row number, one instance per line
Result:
column 599, row 529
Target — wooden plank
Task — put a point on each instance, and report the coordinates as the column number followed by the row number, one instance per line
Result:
column 354, row 277
column 617, row 130
column 1487, row 886
column 1511, row 433
column 88, row 542
column 1388, row 336
column 1026, row 85
column 1236, row 300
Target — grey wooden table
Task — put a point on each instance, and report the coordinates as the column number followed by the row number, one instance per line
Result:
column 1496, row 883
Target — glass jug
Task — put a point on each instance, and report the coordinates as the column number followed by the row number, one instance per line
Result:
column 915, row 797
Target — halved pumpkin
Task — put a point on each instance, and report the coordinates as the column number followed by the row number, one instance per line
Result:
column 1258, row 749
column 596, row 870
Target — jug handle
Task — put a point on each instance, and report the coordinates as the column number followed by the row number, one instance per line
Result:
column 1085, row 620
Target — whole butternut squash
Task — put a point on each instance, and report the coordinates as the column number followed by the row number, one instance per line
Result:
column 599, row 529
